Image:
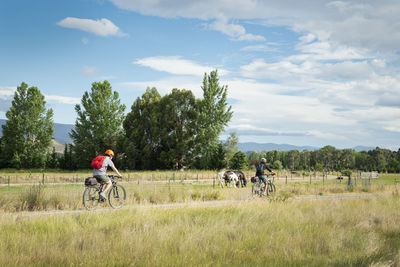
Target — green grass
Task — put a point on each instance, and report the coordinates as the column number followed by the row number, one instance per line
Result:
column 297, row 233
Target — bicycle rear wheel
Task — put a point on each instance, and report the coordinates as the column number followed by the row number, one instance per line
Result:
column 91, row 197
column 271, row 189
column 117, row 196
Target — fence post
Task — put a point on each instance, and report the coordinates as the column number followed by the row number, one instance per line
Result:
column 214, row 182
column 286, row 180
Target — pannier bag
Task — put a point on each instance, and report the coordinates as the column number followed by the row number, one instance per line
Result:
column 254, row 179
column 90, row 181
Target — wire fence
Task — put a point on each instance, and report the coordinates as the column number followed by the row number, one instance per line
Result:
column 189, row 176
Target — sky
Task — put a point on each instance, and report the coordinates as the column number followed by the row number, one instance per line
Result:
column 309, row 72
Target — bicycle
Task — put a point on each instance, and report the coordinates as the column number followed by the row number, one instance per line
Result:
column 91, row 196
column 258, row 186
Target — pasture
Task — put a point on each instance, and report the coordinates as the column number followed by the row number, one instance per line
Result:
column 63, row 191
column 363, row 232
column 247, row 231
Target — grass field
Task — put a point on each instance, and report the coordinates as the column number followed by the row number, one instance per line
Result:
column 292, row 233
column 68, row 196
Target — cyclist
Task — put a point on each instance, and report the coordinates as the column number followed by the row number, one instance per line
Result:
column 101, row 173
column 260, row 167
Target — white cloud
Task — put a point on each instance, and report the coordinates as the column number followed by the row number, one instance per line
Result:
column 7, row 95
column 237, row 32
column 341, row 82
column 368, row 24
column 63, row 99
column 101, row 27
column 7, row 92
column 259, row 48
column 177, row 65
column 89, row 70
column 165, row 86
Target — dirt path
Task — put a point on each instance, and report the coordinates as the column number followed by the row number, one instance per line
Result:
column 218, row 203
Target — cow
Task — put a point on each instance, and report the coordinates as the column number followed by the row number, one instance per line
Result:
column 242, row 179
column 231, row 178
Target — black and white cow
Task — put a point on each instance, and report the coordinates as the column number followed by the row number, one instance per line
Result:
column 232, row 179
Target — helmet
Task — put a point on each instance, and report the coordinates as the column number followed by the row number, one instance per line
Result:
column 263, row 160
column 109, row 152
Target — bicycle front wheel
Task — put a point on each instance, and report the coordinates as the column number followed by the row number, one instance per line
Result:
column 271, row 189
column 117, row 196
column 91, row 198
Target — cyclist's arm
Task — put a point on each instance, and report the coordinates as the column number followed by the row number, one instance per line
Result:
column 115, row 170
column 268, row 168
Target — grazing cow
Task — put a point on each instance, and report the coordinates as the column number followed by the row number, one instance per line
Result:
column 221, row 178
column 231, row 179
column 228, row 178
column 242, row 179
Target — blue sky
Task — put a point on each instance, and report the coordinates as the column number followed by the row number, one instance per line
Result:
column 298, row 72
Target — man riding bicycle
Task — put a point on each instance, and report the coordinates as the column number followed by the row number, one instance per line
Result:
column 260, row 167
column 101, row 173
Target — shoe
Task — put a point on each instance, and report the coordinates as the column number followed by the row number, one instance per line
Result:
column 264, row 194
column 103, row 195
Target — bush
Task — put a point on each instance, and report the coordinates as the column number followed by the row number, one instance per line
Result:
column 33, row 199
column 212, row 195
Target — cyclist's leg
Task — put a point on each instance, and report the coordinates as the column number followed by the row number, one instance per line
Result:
column 103, row 179
column 264, row 180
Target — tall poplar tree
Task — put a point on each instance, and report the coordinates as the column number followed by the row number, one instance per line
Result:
column 214, row 115
column 29, row 129
column 99, row 123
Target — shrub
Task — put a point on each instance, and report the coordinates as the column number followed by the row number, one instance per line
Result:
column 33, row 198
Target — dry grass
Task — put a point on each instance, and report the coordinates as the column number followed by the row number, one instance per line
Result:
column 296, row 233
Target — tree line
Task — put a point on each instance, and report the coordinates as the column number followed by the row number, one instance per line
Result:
column 329, row 158
column 173, row 131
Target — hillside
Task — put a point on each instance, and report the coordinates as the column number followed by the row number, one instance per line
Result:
column 61, row 132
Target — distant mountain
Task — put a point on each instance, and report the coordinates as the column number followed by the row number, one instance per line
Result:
column 61, row 132
column 363, row 148
column 252, row 146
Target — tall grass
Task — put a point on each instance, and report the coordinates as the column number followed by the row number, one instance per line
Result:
column 307, row 233
column 69, row 196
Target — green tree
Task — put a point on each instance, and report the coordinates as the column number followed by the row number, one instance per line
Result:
column 239, row 161
column 277, row 165
column 142, row 127
column 99, row 123
column 214, row 114
column 231, row 145
column 28, row 131
column 179, row 128
column 218, row 158
column 52, row 160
